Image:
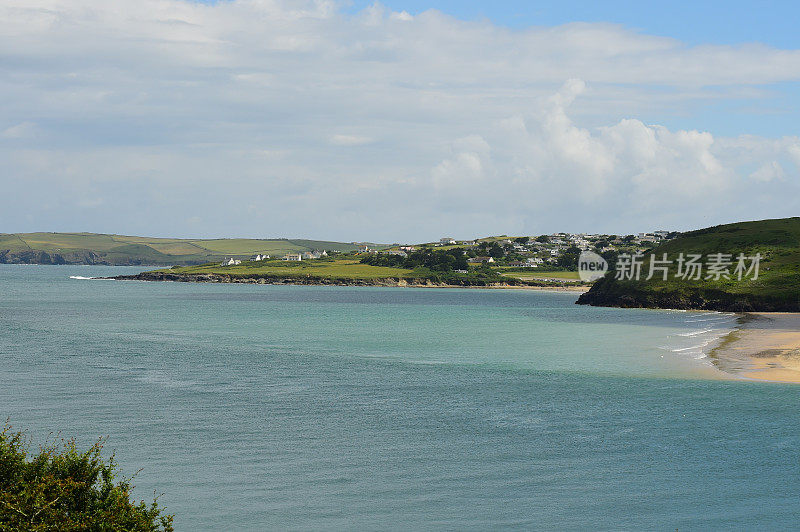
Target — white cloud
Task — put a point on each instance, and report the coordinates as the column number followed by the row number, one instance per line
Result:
column 23, row 130
column 167, row 108
column 548, row 150
column 768, row 172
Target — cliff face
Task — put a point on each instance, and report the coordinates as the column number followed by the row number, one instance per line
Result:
column 766, row 254
column 43, row 257
column 87, row 257
column 608, row 292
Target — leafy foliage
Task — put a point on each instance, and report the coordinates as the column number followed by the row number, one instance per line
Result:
column 62, row 488
column 492, row 249
column 445, row 260
column 569, row 259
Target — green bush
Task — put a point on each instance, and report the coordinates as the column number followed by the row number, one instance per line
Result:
column 61, row 488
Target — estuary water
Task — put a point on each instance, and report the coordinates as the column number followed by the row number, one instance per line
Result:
column 307, row 407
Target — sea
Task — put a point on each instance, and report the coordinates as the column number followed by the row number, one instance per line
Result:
column 253, row 407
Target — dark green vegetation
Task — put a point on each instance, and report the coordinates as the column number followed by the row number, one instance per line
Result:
column 61, row 488
column 348, row 270
column 776, row 289
column 444, row 260
column 91, row 248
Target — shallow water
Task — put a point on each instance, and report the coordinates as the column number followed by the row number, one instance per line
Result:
column 255, row 407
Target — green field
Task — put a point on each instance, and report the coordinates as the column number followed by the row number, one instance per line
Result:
column 543, row 275
column 776, row 288
column 331, row 269
column 91, row 248
column 349, row 269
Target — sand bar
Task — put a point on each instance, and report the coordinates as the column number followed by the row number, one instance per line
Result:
column 765, row 347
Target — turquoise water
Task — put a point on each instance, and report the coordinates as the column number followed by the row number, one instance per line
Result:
column 281, row 407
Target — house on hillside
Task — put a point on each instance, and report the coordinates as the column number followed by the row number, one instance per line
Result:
column 293, row 257
column 230, row 262
column 446, row 241
column 480, row 260
column 260, row 257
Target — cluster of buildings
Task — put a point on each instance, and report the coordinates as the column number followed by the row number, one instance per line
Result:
column 524, row 252
column 548, row 250
column 306, row 255
column 533, row 252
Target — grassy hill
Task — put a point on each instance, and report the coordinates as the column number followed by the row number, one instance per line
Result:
column 92, row 248
column 347, row 270
column 777, row 287
column 350, row 268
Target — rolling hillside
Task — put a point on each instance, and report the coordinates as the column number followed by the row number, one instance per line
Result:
column 777, row 287
column 92, row 248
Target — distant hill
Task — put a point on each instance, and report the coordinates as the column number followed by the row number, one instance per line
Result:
column 92, row 248
column 777, row 287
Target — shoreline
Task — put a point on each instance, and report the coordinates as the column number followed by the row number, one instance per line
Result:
column 322, row 281
column 765, row 346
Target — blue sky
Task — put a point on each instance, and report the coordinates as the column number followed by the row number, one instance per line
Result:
column 400, row 121
column 694, row 22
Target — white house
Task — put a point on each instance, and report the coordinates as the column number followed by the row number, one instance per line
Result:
column 261, row 257
column 230, row 262
column 446, row 241
column 293, row 256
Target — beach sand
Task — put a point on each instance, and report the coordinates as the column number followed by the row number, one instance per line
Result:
column 765, row 347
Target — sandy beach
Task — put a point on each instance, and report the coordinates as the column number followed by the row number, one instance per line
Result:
column 765, row 347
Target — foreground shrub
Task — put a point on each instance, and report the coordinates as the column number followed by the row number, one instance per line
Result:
column 61, row 488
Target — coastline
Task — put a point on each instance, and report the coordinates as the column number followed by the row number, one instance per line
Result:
column 158, row 276
column 764, row 347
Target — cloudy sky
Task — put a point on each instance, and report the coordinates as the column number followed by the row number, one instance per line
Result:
column 393, row 122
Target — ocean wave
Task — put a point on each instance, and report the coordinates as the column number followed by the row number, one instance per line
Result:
column 696, row 333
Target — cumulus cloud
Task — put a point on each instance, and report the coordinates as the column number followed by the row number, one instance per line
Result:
column 768, row 172
column 168, row 109
column 22, row 130
column 548, row 149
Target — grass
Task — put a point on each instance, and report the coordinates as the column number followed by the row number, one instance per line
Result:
column 335, row 269
column 534, row 275
column 121, row 249
column 777, row 286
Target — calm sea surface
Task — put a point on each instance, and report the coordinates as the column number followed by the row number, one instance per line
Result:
column 286, row 407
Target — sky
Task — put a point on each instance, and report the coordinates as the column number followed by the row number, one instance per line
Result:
column 401, row 121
